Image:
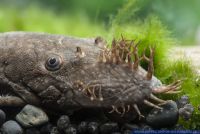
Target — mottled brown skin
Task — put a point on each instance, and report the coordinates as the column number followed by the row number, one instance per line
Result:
column 75, row 82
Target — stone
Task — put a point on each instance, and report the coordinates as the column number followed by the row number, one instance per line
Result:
column 145, row 127
column 186, row 111
column 82, row 127
column 129, row 126
column 183, row 101
column 93, row 128
column 127, row 132
column 54, row 130
column 70, row 130
column 109, row 128
column 32, row 131
column 31, row 116
column 46, row 129
column 2, row 117
column 63, row 122
column 178, row 127
column 167, row 117
column 189, row 108
column 11, row 127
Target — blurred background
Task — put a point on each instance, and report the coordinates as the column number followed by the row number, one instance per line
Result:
column 88, row 18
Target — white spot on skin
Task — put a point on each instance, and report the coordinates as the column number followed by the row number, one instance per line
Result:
column 91, row 98
column 101, row 99
column 82, row 72
column 46, row 81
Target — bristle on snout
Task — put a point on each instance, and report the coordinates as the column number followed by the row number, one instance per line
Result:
column 126, row 52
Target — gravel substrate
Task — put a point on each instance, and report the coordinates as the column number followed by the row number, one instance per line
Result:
column 34, row 120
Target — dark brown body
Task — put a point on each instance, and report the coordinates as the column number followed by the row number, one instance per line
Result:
column 80, row 80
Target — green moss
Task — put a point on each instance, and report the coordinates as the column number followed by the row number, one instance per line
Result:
column 150, row 32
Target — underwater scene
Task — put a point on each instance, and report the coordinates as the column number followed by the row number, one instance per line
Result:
column 99, row 67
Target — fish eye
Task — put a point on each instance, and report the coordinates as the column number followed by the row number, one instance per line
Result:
column 53, row 63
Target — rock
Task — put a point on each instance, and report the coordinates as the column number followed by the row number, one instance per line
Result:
column 63, row 122
column 108, row 128
column 128, row 126
column 145, row 127
column 178, row 127
column 2, row 117
column 189, row 108
column 127, row 132
column 183, row 101
column 54, row 130
column 166, row 117
column 31, row 116
column 32, row 131
column 186, row 111
column 93, row 128
column 82, row 127
column 164, row 129
column 70, row 130
column 11, row 127
column 46, row 129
